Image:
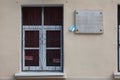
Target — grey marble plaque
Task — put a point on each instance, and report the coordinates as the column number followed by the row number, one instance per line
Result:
column 89, row 21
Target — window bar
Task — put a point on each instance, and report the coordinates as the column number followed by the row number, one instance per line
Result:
column 61, row 53
column 42, row 60
column 23, row 45
column 39, row 48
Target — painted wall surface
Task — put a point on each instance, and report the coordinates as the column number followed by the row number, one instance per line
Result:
column 86, row 57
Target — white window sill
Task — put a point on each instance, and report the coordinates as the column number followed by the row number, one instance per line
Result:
column 40, row 75
column 117, row 75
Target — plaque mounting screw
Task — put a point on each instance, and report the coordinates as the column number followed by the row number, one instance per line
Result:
column 100, row 29
column 100, row 12
column 76, row 12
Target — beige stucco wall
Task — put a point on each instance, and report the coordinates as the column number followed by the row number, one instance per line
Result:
column 86, row 57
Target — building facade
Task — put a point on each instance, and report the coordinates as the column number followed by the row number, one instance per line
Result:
column 81, row 56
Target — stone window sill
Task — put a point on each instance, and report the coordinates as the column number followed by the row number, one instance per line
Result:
column 117, row 75
column 40, row 75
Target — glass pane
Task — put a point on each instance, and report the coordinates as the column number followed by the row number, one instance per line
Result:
column 31, row 15
column 31, row 38
column 31, row 57
column 53, row 39
column 53, row 58
column 53, row 16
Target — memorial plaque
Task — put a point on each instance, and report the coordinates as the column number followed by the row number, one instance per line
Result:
column 89, row 21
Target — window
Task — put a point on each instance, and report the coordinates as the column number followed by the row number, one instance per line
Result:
column 42, row 39
column 118, row 38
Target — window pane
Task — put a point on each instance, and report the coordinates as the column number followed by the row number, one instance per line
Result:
column 53, row 16
column 31, row 38
column 31, row 15
column 53, row 58
column 53, row 39
column 31, row 57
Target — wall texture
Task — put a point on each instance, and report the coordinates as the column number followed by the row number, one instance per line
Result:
column 86, row 57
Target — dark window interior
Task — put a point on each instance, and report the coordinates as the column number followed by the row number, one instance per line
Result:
column 32, row 15
column 53, row 15
column 118, row 14
column 31, row 57
column 53, row 39
column 53, row 58
column 31, row 38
